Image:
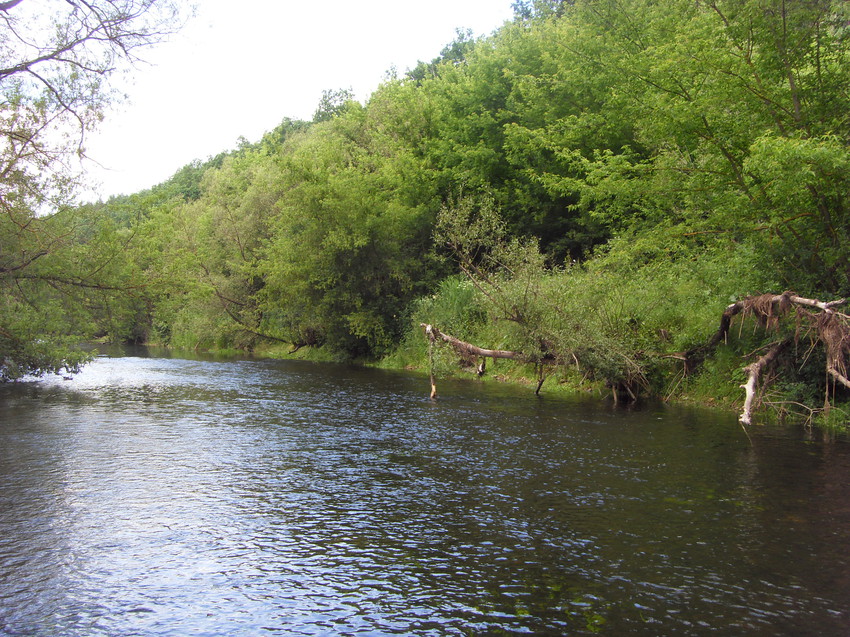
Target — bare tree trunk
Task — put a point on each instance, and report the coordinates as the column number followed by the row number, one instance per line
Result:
column 754, row 372
column 468, row 348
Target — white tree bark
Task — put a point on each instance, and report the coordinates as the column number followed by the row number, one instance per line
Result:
column 754, row 372
column 468, row 348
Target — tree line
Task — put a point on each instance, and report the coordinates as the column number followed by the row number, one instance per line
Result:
column 592, row 184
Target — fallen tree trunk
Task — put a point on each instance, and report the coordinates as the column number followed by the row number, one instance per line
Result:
column 827, row 327
column 467, row 350
column 462, row 347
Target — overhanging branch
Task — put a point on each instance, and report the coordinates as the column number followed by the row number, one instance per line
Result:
column 5, row 6
column 462, row 347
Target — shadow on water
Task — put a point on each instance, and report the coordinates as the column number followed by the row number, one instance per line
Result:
column 156, row 495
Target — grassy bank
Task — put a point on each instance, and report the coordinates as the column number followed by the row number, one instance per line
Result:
column 614, row 325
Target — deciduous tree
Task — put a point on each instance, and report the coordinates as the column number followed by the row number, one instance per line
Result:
column 56, row 62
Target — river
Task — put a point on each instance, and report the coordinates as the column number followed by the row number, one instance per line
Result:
column 163, row 496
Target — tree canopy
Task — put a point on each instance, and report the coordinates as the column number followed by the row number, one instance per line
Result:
column 56, row 61
column 661, row 157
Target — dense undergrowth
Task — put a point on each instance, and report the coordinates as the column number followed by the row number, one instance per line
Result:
column 627, row 333
column 590, row 187
column 609, row 318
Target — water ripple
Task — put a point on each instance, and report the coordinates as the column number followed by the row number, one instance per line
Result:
column 171, row 497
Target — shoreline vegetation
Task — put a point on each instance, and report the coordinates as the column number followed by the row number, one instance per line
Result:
column 635, row 198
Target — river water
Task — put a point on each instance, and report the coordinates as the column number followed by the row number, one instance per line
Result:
column 160, row 496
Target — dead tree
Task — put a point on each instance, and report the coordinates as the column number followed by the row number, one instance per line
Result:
column 821, row 321
column 468, row 350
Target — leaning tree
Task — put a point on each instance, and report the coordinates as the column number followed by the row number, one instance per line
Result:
column 58, row 62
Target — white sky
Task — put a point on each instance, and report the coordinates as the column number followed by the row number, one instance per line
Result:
column 239, row 68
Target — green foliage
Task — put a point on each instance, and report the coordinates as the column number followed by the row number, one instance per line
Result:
column 61, row 280
column 61, row 270
column 333, row 103
column 455, row 52
column 620, row 319
column 607, row 175
column 457, row 303
column 26, row 353
column 346, row 253
column 804, row 186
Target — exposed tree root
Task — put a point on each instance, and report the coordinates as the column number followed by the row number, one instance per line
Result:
column 767, row 309
column 823, row 324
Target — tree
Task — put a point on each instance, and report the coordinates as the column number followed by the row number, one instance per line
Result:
column 54, row 84
column 333, row 103
column 739, row 118
column 218, row 242
column 350, row 245
column 455, row 52
column 56, row 62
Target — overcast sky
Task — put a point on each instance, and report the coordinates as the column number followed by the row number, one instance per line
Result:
column 239, row 68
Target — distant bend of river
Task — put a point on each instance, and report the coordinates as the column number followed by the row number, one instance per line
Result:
column 160, row 496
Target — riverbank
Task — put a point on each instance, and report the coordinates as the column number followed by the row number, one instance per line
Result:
column 638, row 336
column 716, row 386
column 565, row 383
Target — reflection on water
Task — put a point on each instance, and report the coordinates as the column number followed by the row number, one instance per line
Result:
column 174, row 497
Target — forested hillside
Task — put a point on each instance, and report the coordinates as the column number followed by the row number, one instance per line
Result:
column 590, row 187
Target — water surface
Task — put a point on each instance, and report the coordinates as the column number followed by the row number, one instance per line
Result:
column 158, row 496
